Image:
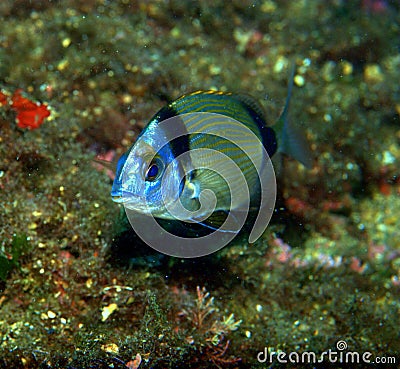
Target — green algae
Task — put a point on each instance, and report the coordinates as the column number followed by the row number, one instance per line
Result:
column 19, row 246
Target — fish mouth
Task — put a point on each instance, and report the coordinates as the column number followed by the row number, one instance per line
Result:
column 128, row 200
column 119, row 199
column 123, row 197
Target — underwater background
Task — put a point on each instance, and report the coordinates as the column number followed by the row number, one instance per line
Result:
column 80, row 79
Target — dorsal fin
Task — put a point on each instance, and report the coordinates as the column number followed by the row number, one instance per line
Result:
column 251, row 103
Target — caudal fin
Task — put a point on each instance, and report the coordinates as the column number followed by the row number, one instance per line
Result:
column 291, row 140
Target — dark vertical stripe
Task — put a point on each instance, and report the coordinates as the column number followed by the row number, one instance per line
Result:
column 178, row 145
column 267, row 133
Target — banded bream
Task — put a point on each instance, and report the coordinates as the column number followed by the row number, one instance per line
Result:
column 161, row 169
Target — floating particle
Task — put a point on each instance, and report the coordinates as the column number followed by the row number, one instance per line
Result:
column 66, row 42
column 373, row 74
column 107, row 311
column 299, row 80
column 111, row 348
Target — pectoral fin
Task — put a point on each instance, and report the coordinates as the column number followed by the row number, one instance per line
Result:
column 217, row 219
column 210, row 185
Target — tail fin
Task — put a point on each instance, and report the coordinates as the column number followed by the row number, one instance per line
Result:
column 291, row 140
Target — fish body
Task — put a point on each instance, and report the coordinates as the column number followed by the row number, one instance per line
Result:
column 197, row 168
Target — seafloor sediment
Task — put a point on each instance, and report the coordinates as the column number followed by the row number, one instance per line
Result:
column 79, row 290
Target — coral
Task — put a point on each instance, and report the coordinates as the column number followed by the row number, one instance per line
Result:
column 29, row 114
column 209, row 331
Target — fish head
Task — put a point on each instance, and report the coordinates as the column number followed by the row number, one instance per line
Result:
column 148, row 177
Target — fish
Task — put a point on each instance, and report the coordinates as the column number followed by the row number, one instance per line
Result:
column 195, row 169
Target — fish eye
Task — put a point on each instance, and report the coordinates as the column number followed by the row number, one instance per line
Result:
column 154, row 170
